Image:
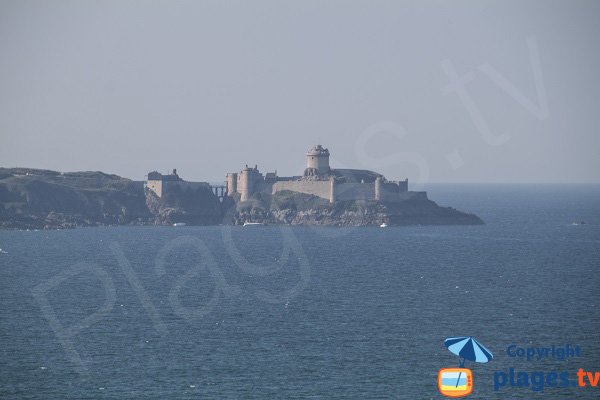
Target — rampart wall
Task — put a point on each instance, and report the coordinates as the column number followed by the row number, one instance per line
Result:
column 316, row 188
column 354, row 191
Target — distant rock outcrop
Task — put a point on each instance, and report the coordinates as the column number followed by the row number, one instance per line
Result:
column 191, row 206
column 42, row 199
column 32, row 198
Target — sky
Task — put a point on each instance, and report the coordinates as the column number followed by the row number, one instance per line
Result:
column 432, row 91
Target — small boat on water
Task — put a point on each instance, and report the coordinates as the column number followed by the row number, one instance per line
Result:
column 252, row 223
column 179, row 224
column 3, row 251
column 383, row 225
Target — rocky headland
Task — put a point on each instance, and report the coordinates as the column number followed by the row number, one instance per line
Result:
column 293, row 208
column 43, row 199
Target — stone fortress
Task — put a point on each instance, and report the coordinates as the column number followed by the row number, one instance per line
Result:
column 322, row 195
column 319, row 179
column 161, row 184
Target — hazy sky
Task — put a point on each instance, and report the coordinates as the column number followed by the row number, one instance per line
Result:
column 207, row 86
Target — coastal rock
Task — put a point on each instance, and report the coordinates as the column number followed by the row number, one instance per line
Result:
column 294, row 208
column 42, row 199
column 31, row 198
column 191, row 206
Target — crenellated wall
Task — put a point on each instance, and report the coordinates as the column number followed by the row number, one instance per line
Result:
column 403, row 185
column 384, row 191
column 389, row 191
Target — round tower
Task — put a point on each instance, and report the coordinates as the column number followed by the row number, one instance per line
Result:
column 231, row 183
column 245, row 183
column 317, row 160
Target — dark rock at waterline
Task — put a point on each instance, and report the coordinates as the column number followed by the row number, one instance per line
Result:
column 294, row 208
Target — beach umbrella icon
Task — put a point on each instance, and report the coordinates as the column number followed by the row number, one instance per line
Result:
column 467, row 348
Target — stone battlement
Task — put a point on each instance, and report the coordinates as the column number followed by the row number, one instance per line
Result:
column 319, row 179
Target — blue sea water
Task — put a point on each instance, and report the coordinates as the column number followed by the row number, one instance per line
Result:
column 334, row 313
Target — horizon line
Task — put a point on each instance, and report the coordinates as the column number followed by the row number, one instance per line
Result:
column 410, row 182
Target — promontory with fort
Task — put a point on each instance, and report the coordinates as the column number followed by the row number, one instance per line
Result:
column 321, row 195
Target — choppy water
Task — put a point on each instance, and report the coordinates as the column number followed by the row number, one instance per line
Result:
column 265, row 312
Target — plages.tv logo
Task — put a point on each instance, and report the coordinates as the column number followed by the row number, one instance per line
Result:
column 458, row 382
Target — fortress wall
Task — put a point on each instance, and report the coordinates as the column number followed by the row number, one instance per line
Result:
column 355, row 191
column 390, row 187
column 400, row 195
column 403, row 185
column 265, row 187
column 184, row 185
column 316, row 188
column 161, row 187
column 389, row 191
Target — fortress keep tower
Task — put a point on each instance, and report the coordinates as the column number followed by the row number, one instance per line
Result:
column 248, row 181
column 317, row 161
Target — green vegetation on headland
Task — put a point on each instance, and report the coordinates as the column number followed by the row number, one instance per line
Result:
column 43, row 199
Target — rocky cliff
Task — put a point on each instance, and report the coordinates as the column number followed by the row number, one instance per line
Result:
column 191, row 206
column 294, row 208
column 42, row 199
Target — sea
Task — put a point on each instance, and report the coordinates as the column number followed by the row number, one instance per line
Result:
column 269, row 312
